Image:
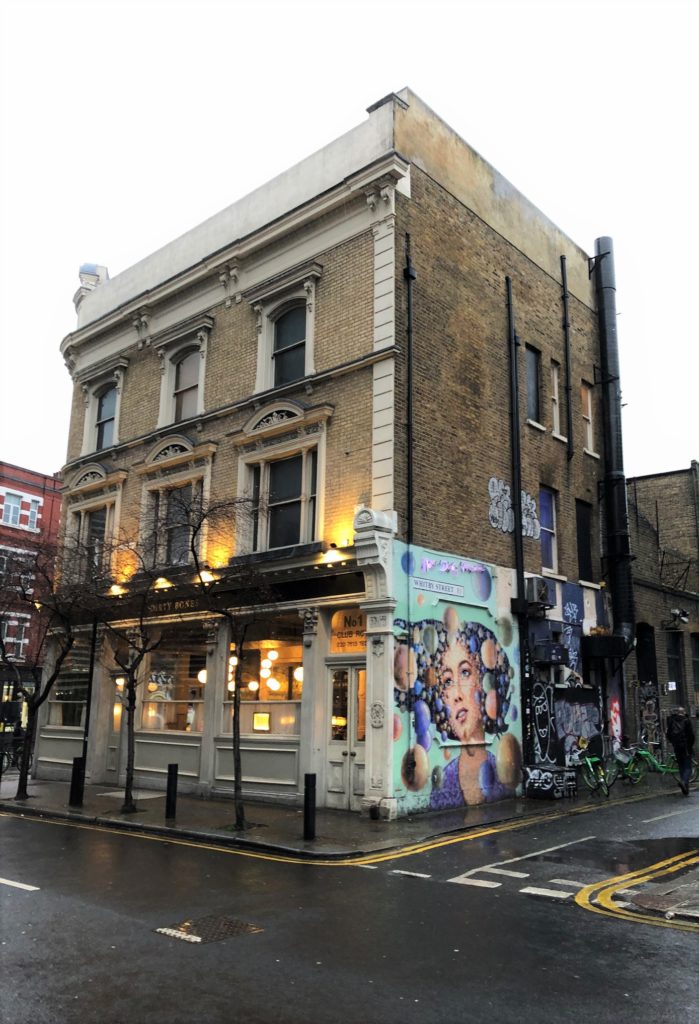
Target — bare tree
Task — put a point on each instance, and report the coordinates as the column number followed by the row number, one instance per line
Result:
column 32, row 592
column 166, row 560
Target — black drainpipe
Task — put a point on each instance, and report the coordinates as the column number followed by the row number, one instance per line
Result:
column 410, row 275
column 618, row 542
column 519, row 605
column 566, row 335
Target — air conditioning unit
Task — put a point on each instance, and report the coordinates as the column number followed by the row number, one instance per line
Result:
column 548, row 653
column 540, row 591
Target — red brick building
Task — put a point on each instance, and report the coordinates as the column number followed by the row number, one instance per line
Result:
column 30, row 505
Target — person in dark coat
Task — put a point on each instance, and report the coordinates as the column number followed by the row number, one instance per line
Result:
column 681, row 735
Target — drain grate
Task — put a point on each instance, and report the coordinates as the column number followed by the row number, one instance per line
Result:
column 208, row 929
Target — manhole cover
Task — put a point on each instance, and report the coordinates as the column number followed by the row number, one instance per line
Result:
column 208, row 929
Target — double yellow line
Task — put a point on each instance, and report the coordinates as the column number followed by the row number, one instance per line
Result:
column 600, row 897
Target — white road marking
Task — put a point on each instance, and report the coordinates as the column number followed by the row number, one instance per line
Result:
column 485, row 883
column 627, row 892
column 623, row 904
column 672, row 814
column 556, row 893
column 513, row 860
column 369, row 867
column 19, row 885
column 411, row 874
column 503, row 871
column 567, row 881
column 175, row 933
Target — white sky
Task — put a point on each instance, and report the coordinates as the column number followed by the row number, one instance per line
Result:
column 123, row 124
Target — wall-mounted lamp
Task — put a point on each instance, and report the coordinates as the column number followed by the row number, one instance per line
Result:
column 679, row 617
column 162, row 583
column 116, row 590
column 201, row 676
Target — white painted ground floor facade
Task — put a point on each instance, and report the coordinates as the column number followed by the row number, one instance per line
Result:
column 391, row 674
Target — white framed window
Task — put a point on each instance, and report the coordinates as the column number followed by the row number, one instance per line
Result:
column 588, row 425
column 285, row 310
column 176, row 487
column 33, row 521
column 183, row 351
column 92, row 503
column 547, row 519
column 282, row 470
column 532, row 358
column 173, row 696
column 11, row 509
column 15, row 634
column 102, row 386
column 285, row 500
column 556, row 399
column 170, row 518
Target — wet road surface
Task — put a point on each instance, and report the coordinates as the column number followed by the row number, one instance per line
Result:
column 463, row 929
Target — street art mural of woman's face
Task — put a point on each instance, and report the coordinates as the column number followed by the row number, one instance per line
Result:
column 455, row 680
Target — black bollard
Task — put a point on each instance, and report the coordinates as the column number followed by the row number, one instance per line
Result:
column 171, row 796
column 77, row 782
column 309, row 806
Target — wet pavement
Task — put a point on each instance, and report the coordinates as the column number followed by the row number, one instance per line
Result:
column 279, row 829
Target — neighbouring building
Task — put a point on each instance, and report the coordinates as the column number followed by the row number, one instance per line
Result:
column 663, row 670
column 412, row 374
column 30, row 505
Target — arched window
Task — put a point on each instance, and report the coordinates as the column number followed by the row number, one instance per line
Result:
column 289, row 351
column 186, row 386
column 106, row 414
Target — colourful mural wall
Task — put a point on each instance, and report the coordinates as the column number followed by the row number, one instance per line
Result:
column 457, row 726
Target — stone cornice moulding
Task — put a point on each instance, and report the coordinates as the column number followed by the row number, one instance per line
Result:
column 111, row 368
column 269, row 421
column 390, row 168
column 275, row 288
column 93, row 477
column 196, row 328
column 183, row 453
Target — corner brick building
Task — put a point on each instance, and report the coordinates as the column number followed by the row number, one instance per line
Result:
column 412, row 374
column 663, row 670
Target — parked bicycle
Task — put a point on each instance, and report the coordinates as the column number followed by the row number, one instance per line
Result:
column 592, row 769
column 647, row 762
column 624, row 765
column 11, row 750
column 631, row 764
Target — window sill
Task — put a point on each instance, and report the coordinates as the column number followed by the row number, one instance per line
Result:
column 551, row 575
column 559, row 437
column 275, row 554
column 593, row 455
column 536, row 425
column 590, row 584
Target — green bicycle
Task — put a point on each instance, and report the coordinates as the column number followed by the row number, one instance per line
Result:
column 633, row 763
column 592, row 769
column 647, row 762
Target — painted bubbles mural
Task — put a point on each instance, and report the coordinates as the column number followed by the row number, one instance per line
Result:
column 457, row 729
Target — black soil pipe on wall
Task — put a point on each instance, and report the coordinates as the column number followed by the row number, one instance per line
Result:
column 519, row 603
column 617, row 527
column 410, row 275
column 566, row 336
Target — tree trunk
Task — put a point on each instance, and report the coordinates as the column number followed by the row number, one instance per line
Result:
column 129, row 806
column 32, row 714
column 237, row 768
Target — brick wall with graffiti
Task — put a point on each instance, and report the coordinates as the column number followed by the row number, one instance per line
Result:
column 457, row 714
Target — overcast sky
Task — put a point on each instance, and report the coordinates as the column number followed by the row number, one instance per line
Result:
column 123, row 124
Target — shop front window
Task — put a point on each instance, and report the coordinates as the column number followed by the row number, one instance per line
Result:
column 173, row 697
column 68, row 698
column 271, row 687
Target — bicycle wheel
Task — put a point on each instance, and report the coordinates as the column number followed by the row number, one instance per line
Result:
column 602, row 779
column 6, row 760
column 641, row 766
column 612, row 771
column 674, row 768
column 634, row 771
column 589, row 777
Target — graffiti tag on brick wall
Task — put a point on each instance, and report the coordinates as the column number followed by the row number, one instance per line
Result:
column 545, row 740
column 501, row 514
column 549, row 784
